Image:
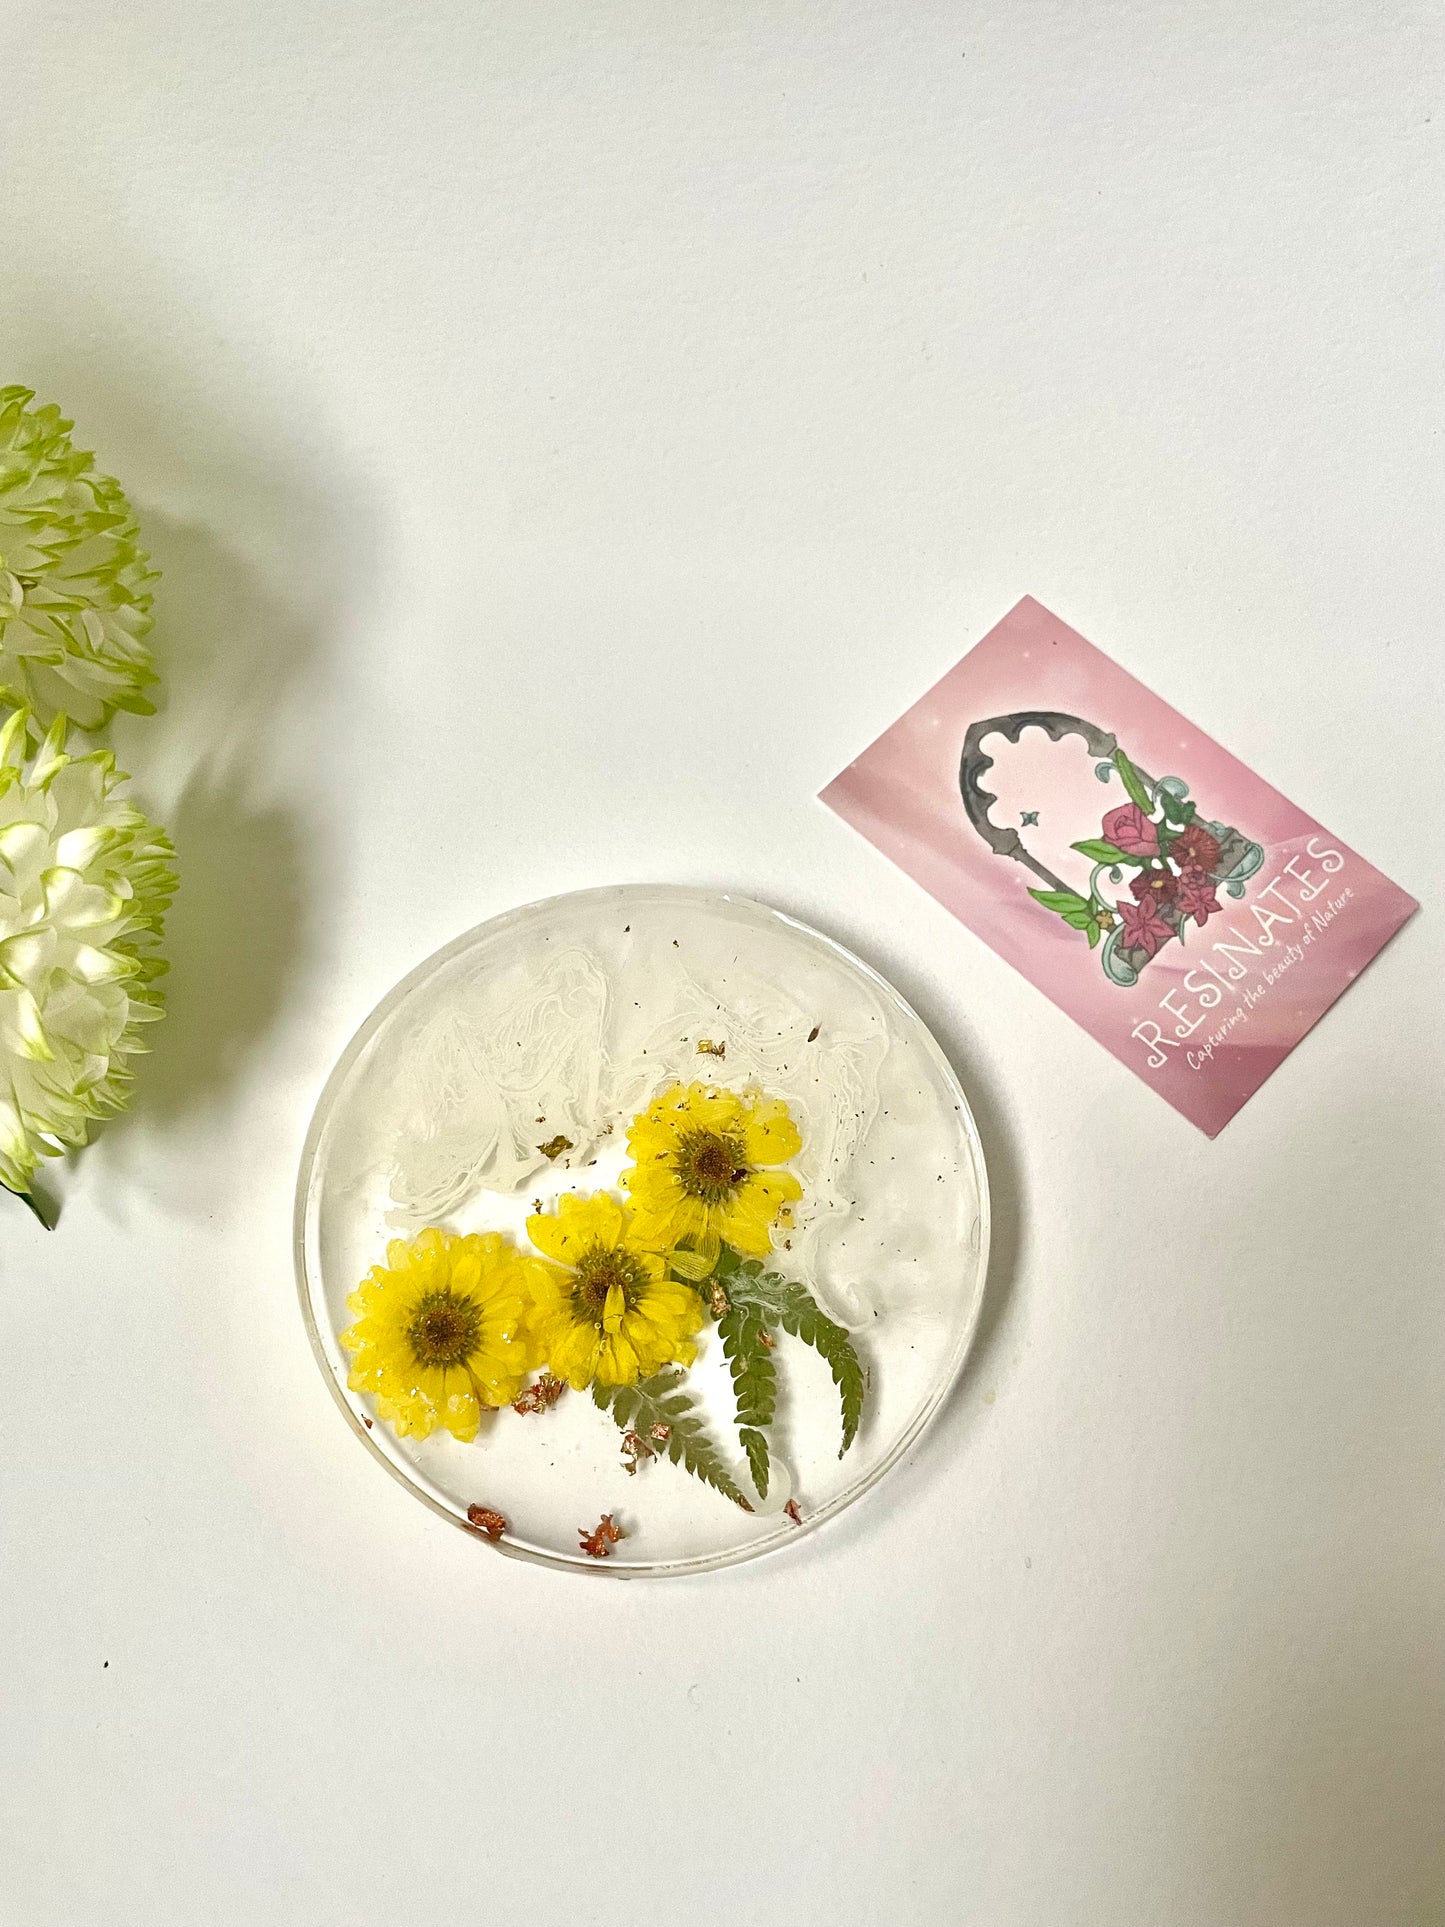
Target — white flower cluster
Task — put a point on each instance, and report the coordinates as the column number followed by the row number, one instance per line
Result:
column 85, row 880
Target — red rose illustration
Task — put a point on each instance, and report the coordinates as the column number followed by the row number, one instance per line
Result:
column 1194, row 848
column 1154, row 886
column 1196, row 894
column 1143, row 927
column 1130, row 830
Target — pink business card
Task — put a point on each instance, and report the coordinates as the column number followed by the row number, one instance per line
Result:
column 1185, row 913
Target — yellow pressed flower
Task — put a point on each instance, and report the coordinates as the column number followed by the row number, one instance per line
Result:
column 440, row 1332
column 704, row 1172
column 606, row 1307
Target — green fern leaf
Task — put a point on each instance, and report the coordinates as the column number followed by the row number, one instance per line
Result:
column 804, row 1318
column 755, row 1383
column 755, row 1444
column 671, row 1424
column 781, row 1301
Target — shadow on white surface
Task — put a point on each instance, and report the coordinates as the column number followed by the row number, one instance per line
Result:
column 254, row 557
column 1308, row 1788
column 231, row 652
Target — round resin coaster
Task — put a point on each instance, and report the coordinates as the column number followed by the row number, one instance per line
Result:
column 641, row 1230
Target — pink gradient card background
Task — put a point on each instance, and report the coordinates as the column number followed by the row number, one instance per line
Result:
column 1328, row 913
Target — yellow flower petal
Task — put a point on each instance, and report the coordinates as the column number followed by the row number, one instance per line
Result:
column 549, row 1235
column 601, row 1218
column 765, row 1194
column 574, row 1355
column 579, row 1225
column 617, row 1360
column 769, row 1133
column 457, row 1408
column 749, row 1235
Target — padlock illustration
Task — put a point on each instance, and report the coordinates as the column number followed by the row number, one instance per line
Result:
column 1156, row 864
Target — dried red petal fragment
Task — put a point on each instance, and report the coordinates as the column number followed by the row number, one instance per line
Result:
column 634, row 1450
column 598, row 1544
column 541, row 1395
column 482, row 1519
column 791, row 1508
column 662, row 1433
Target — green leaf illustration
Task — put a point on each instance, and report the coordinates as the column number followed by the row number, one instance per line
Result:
column 1098, row 851
column 1178, row 810
column 750, row 1360
column 1087, row 921
column 1137, row 792
column 781, row 1301
column 1080, row 913
column 672, row 1425
column 1061, row 902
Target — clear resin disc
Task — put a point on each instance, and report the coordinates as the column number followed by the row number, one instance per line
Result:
column 506, row 1071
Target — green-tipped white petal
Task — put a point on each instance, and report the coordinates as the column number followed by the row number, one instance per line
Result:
column 75, row 585
column 22, row 1028
column 70, row 899
column 12, row 740
column 78, row 849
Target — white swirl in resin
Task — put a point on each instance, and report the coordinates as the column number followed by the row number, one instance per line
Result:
column 512, row 1061
column 520, row 1059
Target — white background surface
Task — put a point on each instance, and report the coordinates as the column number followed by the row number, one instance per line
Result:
column 569, row 434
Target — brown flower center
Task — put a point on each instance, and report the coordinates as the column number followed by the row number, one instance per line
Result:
column 711, row 1165
column 599, row 1269
column 446, row 1328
